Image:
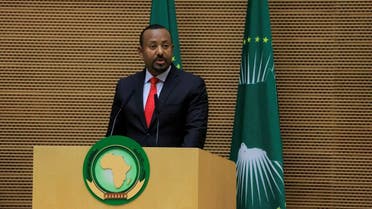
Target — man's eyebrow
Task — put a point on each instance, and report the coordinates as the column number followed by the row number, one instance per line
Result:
column 154, row 41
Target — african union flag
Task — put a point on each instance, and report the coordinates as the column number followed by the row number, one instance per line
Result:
column 256, row 142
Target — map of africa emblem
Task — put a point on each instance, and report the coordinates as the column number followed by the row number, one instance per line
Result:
column 116, row 170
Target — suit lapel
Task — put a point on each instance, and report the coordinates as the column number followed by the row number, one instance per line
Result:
column 169, row 85
column 138, row 83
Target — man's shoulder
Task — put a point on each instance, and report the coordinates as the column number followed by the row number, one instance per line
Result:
column 132, row 77
column 188, row 76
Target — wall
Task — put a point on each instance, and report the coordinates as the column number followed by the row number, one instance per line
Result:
column 60, row 61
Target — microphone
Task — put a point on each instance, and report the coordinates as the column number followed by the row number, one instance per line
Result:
column 157, row 112
column 121, row 108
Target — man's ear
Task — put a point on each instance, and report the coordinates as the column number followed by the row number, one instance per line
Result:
column 140, row 52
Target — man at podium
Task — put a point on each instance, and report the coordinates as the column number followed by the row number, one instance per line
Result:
column 160, row 105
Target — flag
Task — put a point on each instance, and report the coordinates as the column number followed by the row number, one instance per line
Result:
column 256, row 145
column 163, row 12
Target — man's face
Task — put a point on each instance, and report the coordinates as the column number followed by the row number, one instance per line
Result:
column 157, row 50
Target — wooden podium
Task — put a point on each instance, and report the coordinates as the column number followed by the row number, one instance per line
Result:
column 180, row 178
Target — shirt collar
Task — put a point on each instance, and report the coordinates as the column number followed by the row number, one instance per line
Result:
column 161, row 76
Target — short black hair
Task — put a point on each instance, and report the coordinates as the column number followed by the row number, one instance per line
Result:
column 151, row 27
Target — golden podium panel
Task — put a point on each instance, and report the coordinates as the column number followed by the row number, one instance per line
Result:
column 180, row 178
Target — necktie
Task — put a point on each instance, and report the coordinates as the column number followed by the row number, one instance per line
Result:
column 150, row 103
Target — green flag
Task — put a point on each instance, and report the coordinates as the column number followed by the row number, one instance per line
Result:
column 256, row 142
column 163, row 12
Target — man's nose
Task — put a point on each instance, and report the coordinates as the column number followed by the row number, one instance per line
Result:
column 160, row 50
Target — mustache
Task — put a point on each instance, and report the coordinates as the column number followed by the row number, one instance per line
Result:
column 159, row 58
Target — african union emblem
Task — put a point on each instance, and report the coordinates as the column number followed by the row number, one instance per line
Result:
column 116, row 170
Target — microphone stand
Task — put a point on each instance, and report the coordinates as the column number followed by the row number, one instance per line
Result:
column 156, row 99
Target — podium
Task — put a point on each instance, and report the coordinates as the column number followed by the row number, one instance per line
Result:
column 180, row 178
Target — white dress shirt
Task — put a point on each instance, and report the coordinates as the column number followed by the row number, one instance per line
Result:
column 159, row 85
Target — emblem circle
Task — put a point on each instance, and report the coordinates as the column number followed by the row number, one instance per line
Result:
column 116, row 170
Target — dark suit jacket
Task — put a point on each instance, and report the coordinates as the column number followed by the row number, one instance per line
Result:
column 180, row 117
